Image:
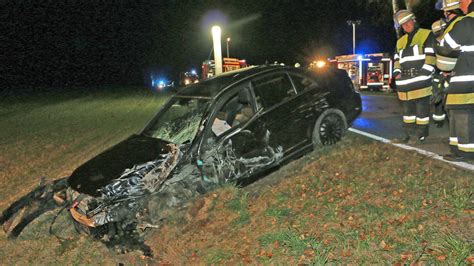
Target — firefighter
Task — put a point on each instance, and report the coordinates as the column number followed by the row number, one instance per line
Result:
column 446, row 58
column 459, row 38
column 414, row 67
column 439, row 114
column 450, row 8
column 444, row 61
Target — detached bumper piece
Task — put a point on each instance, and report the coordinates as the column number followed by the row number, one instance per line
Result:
column 45, row 197
column 81, row 218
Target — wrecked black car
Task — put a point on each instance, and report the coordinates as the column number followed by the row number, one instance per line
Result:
column 231, row 128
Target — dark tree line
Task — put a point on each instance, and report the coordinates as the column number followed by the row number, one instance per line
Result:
column 66, row 43
column 73, row 43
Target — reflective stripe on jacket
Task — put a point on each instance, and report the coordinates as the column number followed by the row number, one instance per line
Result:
column 446, row 58
column 415, row 60
column 460, row 37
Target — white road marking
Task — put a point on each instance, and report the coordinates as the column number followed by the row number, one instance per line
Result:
column 432, row 155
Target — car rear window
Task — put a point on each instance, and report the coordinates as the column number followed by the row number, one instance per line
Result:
column 340, row 81
column 273, row 89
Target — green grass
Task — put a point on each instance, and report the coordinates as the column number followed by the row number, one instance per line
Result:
column 296, row 245
column 459, row 198
column 457, row 249
column 217, row 256
column 278, row 213
column 282, row 197
column 51, row 131
column 239, row 204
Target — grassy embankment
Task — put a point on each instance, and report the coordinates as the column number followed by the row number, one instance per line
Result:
column 356, row 202
column 50, row 134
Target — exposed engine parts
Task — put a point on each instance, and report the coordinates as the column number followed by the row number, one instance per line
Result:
column 134, row 201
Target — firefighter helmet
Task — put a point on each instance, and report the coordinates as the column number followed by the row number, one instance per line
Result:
column 438, row 26
column 403, row 16
column 450, row 5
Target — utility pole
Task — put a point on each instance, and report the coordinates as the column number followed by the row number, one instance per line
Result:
column 354, row 23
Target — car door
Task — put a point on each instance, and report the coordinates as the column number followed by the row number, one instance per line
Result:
column 237, row 147
column 311, row 102
column 279, row 105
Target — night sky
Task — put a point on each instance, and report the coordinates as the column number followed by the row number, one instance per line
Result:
column 67, row 43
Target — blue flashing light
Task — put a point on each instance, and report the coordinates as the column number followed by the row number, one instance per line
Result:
column 359, row 57
column 368, row 46
column 193, row 71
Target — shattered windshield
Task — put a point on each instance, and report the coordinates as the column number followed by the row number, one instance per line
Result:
column 179, row 122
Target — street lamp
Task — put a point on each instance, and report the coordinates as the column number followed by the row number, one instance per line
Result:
column 216, row 40
column 228, row 40
column 353, row 23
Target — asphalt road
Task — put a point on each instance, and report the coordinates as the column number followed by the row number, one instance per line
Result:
column 382, row 116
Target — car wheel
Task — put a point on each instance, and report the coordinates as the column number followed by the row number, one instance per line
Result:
column 330, row 127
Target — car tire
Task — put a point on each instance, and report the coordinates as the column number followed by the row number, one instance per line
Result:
column 330, row 127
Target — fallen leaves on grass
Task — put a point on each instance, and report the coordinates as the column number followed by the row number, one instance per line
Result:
column 402, row 219
column 406, row 256
column 385, row 246
column 265, row 253
column 276, row 244
column 470, row 259
column 426, row 202
column 471, row 212
column 346, row 253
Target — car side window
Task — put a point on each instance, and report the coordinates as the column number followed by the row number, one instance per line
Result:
column 273, row 89
column 236, row 110
column 303, row 83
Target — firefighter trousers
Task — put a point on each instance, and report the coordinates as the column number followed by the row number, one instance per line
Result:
column 416, row 117
column 461, row 132
column 439, row 115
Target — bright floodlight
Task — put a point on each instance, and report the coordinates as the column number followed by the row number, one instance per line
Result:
column 216, row 40
column 216, row 30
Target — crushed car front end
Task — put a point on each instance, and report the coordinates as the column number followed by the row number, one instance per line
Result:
column 116, row 187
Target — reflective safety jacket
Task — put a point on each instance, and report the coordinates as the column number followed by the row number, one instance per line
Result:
column 445, row 57
column 460, row 38
column 415, row 60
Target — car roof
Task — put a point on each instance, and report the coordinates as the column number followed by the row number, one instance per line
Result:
column 213, row 86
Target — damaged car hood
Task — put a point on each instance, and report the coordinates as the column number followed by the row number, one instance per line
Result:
column 109, row 165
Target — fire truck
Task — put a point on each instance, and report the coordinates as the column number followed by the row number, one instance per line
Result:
column 228, row 64
column 368, row 71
